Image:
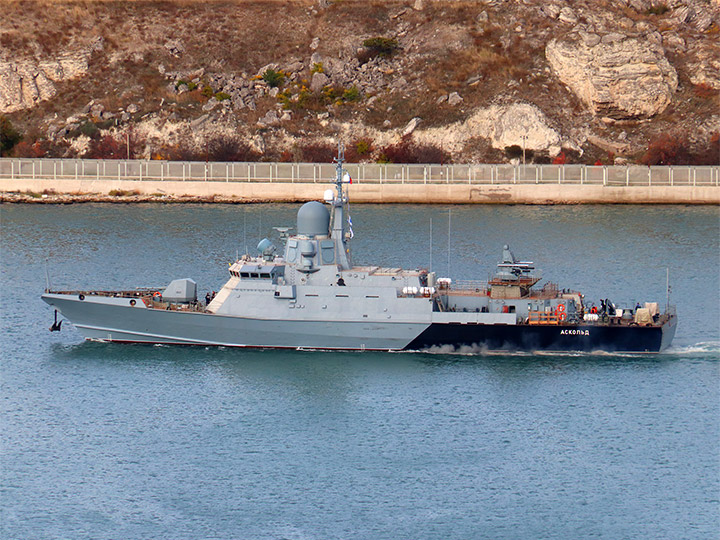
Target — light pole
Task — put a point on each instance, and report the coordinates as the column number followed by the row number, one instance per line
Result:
column 524, row 139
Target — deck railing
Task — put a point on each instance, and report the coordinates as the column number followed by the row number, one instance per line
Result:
column 193, row 171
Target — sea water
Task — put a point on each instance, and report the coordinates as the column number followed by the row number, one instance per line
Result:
column 142, row 442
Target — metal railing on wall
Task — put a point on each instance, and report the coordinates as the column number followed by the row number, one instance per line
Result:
column 187, row 171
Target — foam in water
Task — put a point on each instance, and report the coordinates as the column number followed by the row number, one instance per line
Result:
column 703, row 347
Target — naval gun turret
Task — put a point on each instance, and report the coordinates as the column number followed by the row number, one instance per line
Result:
column 267, row 249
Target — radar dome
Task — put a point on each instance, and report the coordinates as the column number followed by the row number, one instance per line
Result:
column 313, row 219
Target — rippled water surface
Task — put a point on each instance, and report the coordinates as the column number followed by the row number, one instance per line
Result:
column 142, row 442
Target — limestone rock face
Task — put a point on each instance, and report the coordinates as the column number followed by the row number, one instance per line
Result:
column 525, row 125
column 704, row 67
column 24, row 84
column 618, row 78
column 520, row 124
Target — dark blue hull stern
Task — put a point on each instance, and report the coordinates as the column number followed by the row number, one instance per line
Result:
column 586, row 338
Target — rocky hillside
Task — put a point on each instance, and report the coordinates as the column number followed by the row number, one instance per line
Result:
column 403, row 81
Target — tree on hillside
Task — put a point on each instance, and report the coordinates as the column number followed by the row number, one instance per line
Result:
column 9, row 136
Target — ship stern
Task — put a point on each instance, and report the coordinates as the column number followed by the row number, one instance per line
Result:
column 668, row 330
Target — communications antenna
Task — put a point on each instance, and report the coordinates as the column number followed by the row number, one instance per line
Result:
column 431, row 245
column 448, row 249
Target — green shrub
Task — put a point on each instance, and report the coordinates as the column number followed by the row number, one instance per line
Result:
column 351, row 94
column 317, row 68
column 362, row 147
column 380, row 46
column 222, row 96
column 207, row 92
column 303, row 97
column 659, row 9
column 9, row 136
column 332, row 93
column 273, row 78
column 191, row 85
column 89, row 129
column 285, row 97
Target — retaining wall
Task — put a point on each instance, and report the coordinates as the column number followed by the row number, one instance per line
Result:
column 384, row 193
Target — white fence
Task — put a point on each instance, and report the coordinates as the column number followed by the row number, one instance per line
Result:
column 139, row 170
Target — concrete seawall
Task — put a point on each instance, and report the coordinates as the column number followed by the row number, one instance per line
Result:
column 377, row 193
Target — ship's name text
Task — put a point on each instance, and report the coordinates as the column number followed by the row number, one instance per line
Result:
column 575, row 332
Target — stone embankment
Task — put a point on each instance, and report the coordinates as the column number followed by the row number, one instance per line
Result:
column 42, row 191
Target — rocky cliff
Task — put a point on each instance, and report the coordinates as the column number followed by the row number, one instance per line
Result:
column 573, row 80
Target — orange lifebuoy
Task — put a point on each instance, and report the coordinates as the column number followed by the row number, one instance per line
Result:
column 562, row 316
column 560, row 308
column 593, row 310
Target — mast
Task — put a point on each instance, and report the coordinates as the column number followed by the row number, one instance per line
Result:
column 339, row 204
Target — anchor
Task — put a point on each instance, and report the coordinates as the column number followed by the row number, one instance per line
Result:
column 55, row 327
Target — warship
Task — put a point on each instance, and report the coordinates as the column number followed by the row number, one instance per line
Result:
column 311, row 296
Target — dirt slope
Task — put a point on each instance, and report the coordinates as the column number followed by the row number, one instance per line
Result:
column 585, row 80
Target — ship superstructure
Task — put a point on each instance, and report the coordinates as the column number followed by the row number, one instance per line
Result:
column 311, row 296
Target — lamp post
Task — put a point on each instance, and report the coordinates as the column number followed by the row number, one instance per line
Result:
column 524, row 139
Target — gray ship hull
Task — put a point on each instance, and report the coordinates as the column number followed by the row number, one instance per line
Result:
column 113, row 319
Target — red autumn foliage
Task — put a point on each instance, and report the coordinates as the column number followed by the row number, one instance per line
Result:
column 408, row 151
column 220, row 148
column 120, row 146
column 560, row 159
column 710, row 154
column 223, row 148
column 41, row 148
column 704, row 90
column 667, row 149
column 318, row 153
column 107, row 147
column 27, row 149
column 286, row 156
